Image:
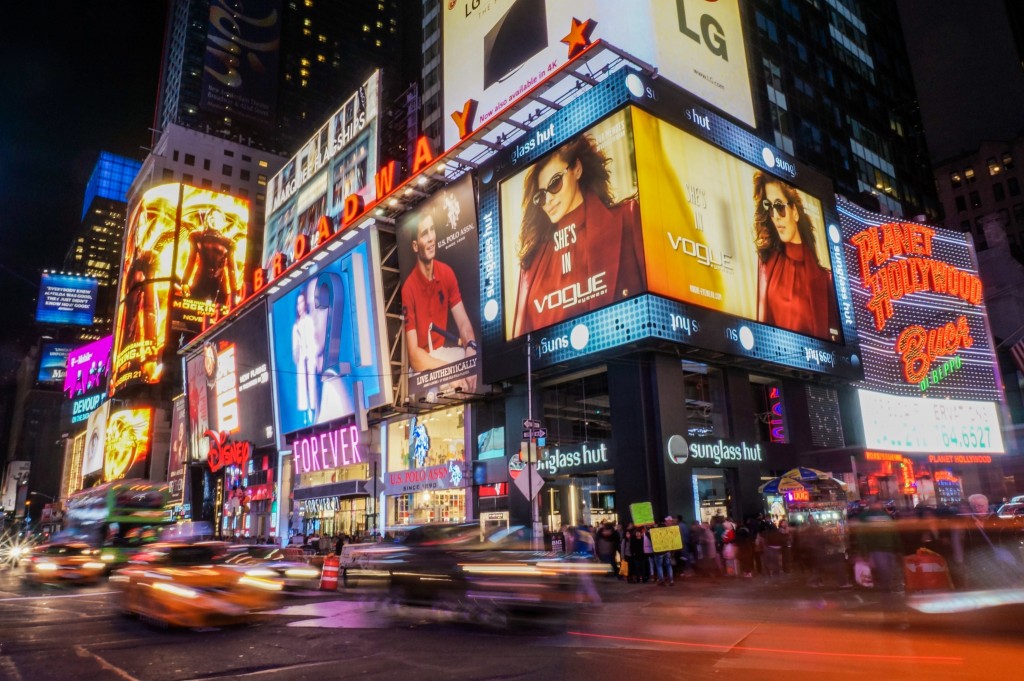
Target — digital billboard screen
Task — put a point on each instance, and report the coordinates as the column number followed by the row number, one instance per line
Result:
column 438, row 247
column 339, row 161
column 328, row 341
column 95, row 439
column 178, row 458
column 920, row 312
column 229, row 387
column 66, row 299
column 53, row 361
column 240, row 65
column 88, row 368
column 610, row 225
column 127, row 444
column 184, row 260
column 495, row 52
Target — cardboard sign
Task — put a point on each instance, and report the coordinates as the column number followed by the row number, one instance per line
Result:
column 666, row 539
column 643, row 513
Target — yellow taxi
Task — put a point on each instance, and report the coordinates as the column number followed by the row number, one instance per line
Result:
column 188, row 585
column 57, row 562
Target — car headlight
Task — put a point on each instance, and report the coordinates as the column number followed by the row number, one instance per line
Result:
column 183, row 592
column 259, row 583
column 108, row 557
column 261, row 572
column 301, row 573
column 94, row 565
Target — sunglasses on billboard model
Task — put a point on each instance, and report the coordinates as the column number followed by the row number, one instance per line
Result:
column 779, row 206
column 554, row 186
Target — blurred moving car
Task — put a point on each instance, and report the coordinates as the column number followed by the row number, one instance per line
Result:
column 457, row 567
column 188, row 585
column 269, row 561
column 1013, row 509
column 72, row 561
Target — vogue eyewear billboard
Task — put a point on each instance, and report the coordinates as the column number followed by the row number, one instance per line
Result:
column 184, row 248
column 496, row 50
column 328, row 340
column 437, row 253
column 127, row 444
column 659, row 222
column 228, row 383
column 920, row 313
column 240, row 66
column 66, row 299
column 88, row 368
column 337, row 165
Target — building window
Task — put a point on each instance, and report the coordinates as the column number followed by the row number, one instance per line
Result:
column 186, row 178
column 243, row 192
column 244, row 175
column 955, row 180
column 190, row 159
column 997, row 191
column 1018, row 213
column 229, row 153
column 226, row 170
column 206, row 164
column 975, row 200
column 993, row 166
column 208, row 183
column 1007, row 161
column 261, row 180
column 704, row 399
column 175, row 156
column 246, row 158
column 1013, row 186
column 961, row 204
column 969, row 174
column 225, row 188
column 168, row 174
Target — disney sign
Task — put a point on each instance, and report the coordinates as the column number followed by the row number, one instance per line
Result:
column 224, row 453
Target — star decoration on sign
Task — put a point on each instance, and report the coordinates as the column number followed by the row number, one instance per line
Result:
column 579, row 36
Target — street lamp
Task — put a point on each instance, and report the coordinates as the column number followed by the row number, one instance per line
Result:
column 40, row 494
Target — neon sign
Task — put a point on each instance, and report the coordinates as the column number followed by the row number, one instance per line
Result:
column 322, row 451
column 798, row 495
column 776, row 416
column 225, row 453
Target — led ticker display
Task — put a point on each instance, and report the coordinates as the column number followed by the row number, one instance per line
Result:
column 184, row 261
column 127, row 444
column 437, row 255
column 66, row 299
column 88, row 368
column 495, row 52
column 229, row 387
column 331, row 175
column 920, row 313
column 328, row 342
column 658, row 222
column 897, row 423
column 53, row 359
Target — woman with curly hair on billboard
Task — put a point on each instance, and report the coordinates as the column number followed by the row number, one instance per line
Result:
column 794, row 291
column 579, row 250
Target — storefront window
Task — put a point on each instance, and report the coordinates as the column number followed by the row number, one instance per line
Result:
column 704, row 394
column 427, row 440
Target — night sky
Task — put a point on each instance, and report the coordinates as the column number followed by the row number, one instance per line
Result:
column 80, row 77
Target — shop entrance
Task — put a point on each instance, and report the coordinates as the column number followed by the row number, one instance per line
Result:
column 713, row 492
column 578, row 500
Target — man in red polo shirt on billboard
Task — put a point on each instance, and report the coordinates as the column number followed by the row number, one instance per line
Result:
column 429, row 293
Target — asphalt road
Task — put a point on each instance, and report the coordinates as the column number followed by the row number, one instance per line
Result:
column 699, row 629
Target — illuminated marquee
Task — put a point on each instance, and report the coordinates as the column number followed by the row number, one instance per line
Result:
column 225, row 453
column 323, row 451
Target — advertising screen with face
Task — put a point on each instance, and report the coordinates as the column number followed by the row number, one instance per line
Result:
column 198, row 370
column 497, row 50
column 66, row 299
column 724, row 235
column 328, row 342
column 88, row 368
column 438, row 260
column 95, row 440
column 53, row 361
column 229, row 382
column 212, row 242
column 179, row 446
column 571, row 237
column 127, row 444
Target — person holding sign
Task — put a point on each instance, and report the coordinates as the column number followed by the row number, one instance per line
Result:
column 665, row 538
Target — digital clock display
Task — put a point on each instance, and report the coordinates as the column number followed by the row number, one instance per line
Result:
column 908, row 424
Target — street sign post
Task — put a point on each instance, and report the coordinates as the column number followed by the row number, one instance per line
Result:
column 534, row 433
column 530, row 423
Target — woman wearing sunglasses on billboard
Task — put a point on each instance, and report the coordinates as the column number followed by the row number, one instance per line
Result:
column 794, row 291
column 578, row 249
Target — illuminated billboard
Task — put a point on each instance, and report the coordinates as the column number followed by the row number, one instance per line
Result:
column 127, row 444
column 328, row 340
column 184, row 260
column 896, row 423
column 229, row 388
column 496, row 51
column 659, row 221
column 66, row 299
column 88, row 368
column 240, row 65
column 918, row 301
column 178, row 459
column 336, row 165
column 95, row 440
column 53, row 361
column 437, row 255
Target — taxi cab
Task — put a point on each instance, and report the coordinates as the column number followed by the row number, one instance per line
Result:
column 188, row 585
column 56, row 562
